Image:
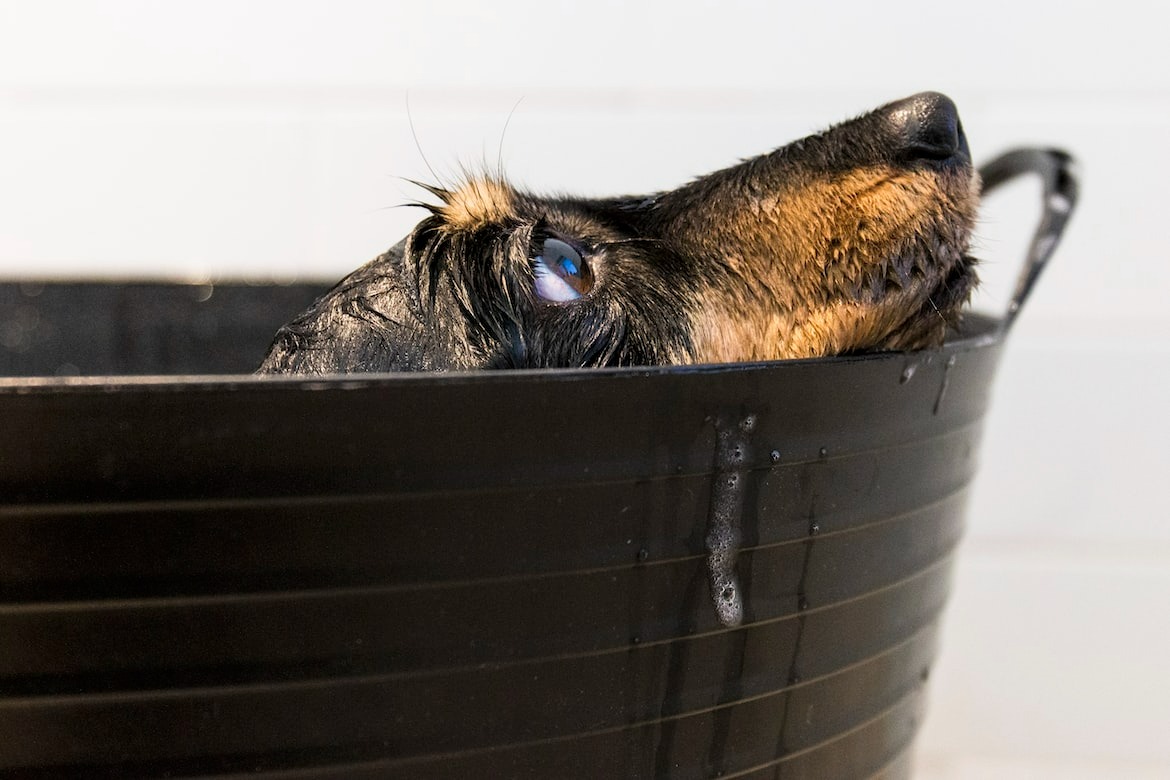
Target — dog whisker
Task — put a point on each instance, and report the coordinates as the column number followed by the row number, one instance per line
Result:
column 503, row 133
column 850, row 240
column 933, row 305
column 634, row 240
column 417, row 144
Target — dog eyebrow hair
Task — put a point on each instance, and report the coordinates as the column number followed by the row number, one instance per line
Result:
column 853, row 239
column 478, row 202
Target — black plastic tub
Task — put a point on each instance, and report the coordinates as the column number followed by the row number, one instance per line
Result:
column 732, row 571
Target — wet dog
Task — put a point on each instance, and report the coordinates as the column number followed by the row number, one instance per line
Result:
column 847, row 241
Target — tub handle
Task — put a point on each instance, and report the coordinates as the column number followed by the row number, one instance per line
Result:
column 1057, row 171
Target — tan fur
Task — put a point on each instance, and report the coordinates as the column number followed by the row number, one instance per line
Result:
column 831, row 329
column 852, row 240
column 477, row 202
column 805, row 252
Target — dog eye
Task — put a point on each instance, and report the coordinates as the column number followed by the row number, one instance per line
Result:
column 560, row 272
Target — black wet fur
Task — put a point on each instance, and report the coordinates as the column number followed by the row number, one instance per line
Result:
column 451, row 297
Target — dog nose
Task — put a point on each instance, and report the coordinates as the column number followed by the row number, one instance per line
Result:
column 927, row 127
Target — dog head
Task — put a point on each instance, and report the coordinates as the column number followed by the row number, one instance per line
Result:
column 851, row 240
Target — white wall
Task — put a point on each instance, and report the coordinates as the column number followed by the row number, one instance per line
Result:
column 267, row 139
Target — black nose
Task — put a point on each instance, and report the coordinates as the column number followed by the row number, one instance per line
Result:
column 927, row 126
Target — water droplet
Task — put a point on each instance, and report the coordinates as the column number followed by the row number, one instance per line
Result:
column 635, row 640
column 814, row 529
column 946, row 380
column 1059, row 203
column 1043, row 248
column 775, row 456
column 908, row 373
column 13, row 336
column 802, row 603
column 723, row 521
column 643, row 555
column 824, row 453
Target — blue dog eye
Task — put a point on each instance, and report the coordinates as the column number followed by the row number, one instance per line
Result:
column 560, row 273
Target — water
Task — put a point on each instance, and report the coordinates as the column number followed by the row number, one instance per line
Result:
column 724, row 522
column 946, row 380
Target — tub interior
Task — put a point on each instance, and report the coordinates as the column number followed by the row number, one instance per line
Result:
column 129, row 328
column 93, row 328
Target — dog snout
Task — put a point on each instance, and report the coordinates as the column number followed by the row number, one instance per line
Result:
column 927, row 127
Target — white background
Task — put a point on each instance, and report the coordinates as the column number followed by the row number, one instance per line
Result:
column 271, row 139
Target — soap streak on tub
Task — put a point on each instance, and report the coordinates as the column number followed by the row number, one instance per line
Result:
column 724, row 520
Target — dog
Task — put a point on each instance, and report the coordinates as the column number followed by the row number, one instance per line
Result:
column 848, row 241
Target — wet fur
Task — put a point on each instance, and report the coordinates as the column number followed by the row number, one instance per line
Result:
column 850, row 240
